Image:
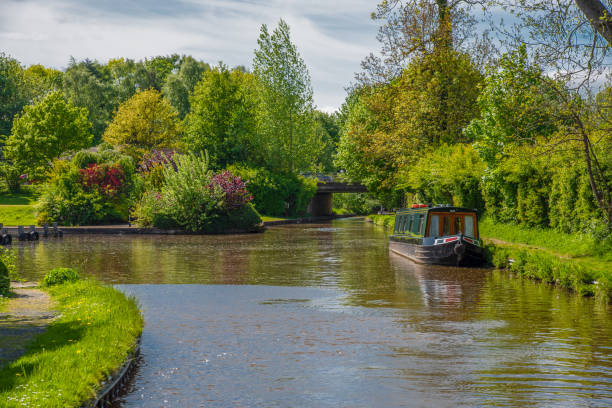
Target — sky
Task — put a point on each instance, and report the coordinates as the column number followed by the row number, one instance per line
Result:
column 333, row 36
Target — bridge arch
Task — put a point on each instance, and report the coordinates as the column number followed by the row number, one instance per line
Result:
column 323, row 200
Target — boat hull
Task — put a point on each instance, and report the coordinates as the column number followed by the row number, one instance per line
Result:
column 456, row 253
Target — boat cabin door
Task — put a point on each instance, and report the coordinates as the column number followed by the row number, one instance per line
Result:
column 453, row 224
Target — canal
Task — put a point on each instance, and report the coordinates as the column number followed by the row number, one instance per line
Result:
column 323, row 316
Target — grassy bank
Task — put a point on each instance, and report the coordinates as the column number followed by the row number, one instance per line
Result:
column 574, row 261
column 18, row 208
column 65, row 366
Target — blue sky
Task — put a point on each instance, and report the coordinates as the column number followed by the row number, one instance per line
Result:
column 332, row 36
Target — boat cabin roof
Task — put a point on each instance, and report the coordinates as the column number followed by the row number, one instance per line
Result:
column 436, row 208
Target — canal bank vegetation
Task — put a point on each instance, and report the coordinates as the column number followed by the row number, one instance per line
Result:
column 577, row 262
column 94, row 133
column 67, row 365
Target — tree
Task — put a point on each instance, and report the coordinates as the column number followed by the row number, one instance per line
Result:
column 180, row 85
column 329, row 131
column 286, row 122
column 86, row 85
column 145, row 121
column 46, row 130
column 223, row 117
column 412, row 29
column 13, row 95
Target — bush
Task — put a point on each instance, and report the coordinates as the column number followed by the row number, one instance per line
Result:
column 93, row 188
column 193, row 198
column 272, row 190
column 60, row 276
column 5, row 282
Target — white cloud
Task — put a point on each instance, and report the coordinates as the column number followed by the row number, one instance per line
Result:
column 332, row 37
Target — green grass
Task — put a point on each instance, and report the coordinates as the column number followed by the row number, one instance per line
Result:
column 12, row 215
column 64, row 367
column 18, row 208
column 387, row 221
column 265, row 218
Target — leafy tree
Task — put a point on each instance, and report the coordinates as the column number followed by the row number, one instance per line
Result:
column 13, row 95
column 326, row 126
column 144, row 122
column 286, row 122
column 179, row 86
column 223, row 117
column 40, row 80
column 46, row 130
column 86, row 85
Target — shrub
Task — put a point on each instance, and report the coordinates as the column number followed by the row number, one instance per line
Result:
column 193, row 198
column 272, row 190
column 5, row 282
column 60, row 276
column 93, row 188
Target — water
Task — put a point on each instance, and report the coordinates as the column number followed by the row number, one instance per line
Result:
column 324, row 316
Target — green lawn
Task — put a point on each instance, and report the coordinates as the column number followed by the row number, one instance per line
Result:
column 11, row 215
column 65, row 366
column 18, row 208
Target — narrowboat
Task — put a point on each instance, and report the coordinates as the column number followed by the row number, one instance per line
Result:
column 439, row 234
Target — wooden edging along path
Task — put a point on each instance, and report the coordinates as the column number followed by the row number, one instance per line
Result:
column 127, row 229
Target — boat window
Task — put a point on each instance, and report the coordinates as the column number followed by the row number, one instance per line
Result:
column 408, row 223
column 419, row 225
column 469, row 225
column 445, row 225
column 434, row 225
column 458, row 224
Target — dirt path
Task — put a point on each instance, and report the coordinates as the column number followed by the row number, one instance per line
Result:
column 26, row 315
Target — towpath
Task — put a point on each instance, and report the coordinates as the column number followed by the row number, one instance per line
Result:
column 26, row 315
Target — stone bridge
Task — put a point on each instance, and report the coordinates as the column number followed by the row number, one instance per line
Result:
column 322, row 202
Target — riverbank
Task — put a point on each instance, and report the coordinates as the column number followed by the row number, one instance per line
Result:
column 67, row 365
column 575, row 262
column 127, row 229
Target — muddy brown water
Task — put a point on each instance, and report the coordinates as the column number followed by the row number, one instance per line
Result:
column 324, row 316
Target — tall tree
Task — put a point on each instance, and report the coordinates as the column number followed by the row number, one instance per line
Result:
column 179, row 85
column 45, row 131
column 286, row 122
column 223, row 117
column 86, row 85
column 13, row 95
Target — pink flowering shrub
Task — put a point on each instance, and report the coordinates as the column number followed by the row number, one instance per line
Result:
column 235, row 193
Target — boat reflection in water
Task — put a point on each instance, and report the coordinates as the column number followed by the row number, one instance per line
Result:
column 441, row 286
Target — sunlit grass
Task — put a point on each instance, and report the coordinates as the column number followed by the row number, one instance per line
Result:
column 66, row 365
column 17, row 215
column 265, row 218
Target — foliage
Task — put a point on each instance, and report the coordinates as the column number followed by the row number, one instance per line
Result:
column 11, row 176
column 9, row 259
column 355, row 203
column 389, row 126
column 87, row 85
column 178, row 86
column 286, row 120
column 326, row 125
column 96, row 329
column 94, row 188
column 548, row 268
column 195, row 199
column 59, row 276
column 45, row 131
column 5, row 282
column 13, row 92
column 223, row 117
column 144, row 122
column 517, row 106
column 447, row 175
column 272, row 190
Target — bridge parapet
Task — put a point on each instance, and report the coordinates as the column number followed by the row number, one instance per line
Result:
column 341, row 187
